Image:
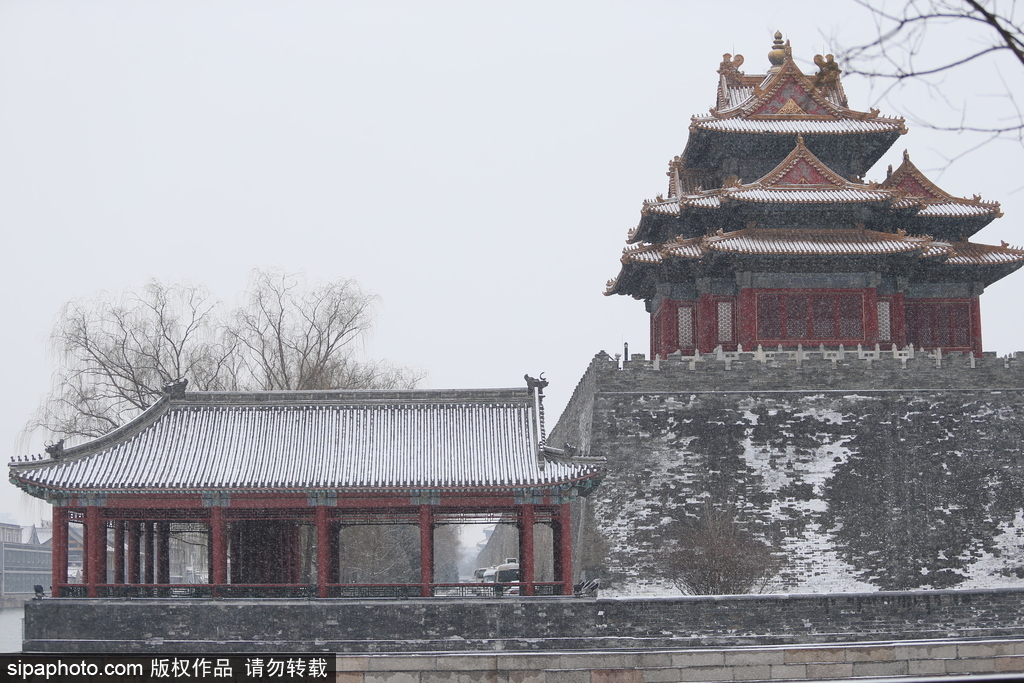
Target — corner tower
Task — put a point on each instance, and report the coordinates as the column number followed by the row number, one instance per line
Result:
column 769, row 235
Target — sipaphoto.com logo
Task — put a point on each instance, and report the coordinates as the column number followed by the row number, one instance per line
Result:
column 112, row 668
column 58, row 669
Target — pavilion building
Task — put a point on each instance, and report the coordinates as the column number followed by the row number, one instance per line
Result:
column 266, row 484
column 770, row 236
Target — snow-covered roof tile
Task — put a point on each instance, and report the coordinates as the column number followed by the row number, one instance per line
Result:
column 804, row 126
column 314, row 440
column 971, row 254
column 815, row 196
column 767, row 241
column 955, row 209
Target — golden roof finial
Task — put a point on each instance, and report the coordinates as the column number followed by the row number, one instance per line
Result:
column 778, row 54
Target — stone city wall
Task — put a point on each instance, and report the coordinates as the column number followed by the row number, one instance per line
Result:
column 863, row 470
column 515, row 624
column 735, row 664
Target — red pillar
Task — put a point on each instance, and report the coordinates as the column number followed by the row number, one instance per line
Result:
column 667, row 329
column 334, row 548
column 150, row 553
column 976, row 326
column 59, row 547
column 323, row 550
column 870, row 316
column 899, row 320
column 218, row 532
column 95, row 550
column 526, row 521
column 238, row 572
column 426, row 549
column 134, row 576
column 163, row 552
column 563, row 548
column 119, row 551
column 746, row 319
column 297, row 553
column 655, row 334
column 706, row 313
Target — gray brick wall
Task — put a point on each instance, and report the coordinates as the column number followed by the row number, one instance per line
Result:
column 517, row 624
column 864, row 473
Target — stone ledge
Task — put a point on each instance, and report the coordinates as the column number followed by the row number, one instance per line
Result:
column 834, row 662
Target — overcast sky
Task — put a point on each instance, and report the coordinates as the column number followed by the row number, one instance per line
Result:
column 476, row 164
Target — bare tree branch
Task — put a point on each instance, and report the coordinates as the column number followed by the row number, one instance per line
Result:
column 915, row 45
column 115, row 353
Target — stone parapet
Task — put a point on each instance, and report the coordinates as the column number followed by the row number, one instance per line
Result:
column 882, row 659
column 809, row 369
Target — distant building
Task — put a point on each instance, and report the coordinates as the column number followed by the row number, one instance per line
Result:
column 24, row 562
column 10, row 533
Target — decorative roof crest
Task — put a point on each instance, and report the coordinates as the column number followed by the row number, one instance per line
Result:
column 780, row 50
column 828, row 71
column 802, row 167
column 910, row 181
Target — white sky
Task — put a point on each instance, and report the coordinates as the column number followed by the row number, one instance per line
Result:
column 475, row 164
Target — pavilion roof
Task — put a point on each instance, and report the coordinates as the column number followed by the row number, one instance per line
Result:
column 785, row 101
column 349, row 441
column 800, row 179
column 778, row 242
column 802, row 242
column 636, row 277
column 934, row 202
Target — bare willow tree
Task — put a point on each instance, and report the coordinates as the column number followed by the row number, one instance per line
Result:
column 715, row 555
column 925, row 42
column 116, row 351
column 293, row 336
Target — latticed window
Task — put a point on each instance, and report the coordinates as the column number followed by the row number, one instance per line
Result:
column 769, row 316
column 725, row 333
column 818, row 317
column 940, row 324
column 884, row 320
column 686, row 331
column 851, row 316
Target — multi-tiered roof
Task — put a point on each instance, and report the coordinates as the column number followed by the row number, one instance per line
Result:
column 772, row 181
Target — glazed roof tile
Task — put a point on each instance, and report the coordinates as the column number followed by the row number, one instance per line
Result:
column 777, row 195
column 643, row 253
column 669, row 208
column 810, row 242
column 770, row 241
column 802, row 178
column 370, row 440
column 971, row 254
column 778, row 242
column 787, row 102
column 954, row 209
column 936, row 249
column 934, row 202
column 795, row 126
column 738, row 94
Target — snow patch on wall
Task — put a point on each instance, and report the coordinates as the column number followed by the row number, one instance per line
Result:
column 999, row 567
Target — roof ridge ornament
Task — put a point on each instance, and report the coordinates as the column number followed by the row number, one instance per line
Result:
column 780, row 50
column 55, row 450
column 828, row 71
column 175, row 389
